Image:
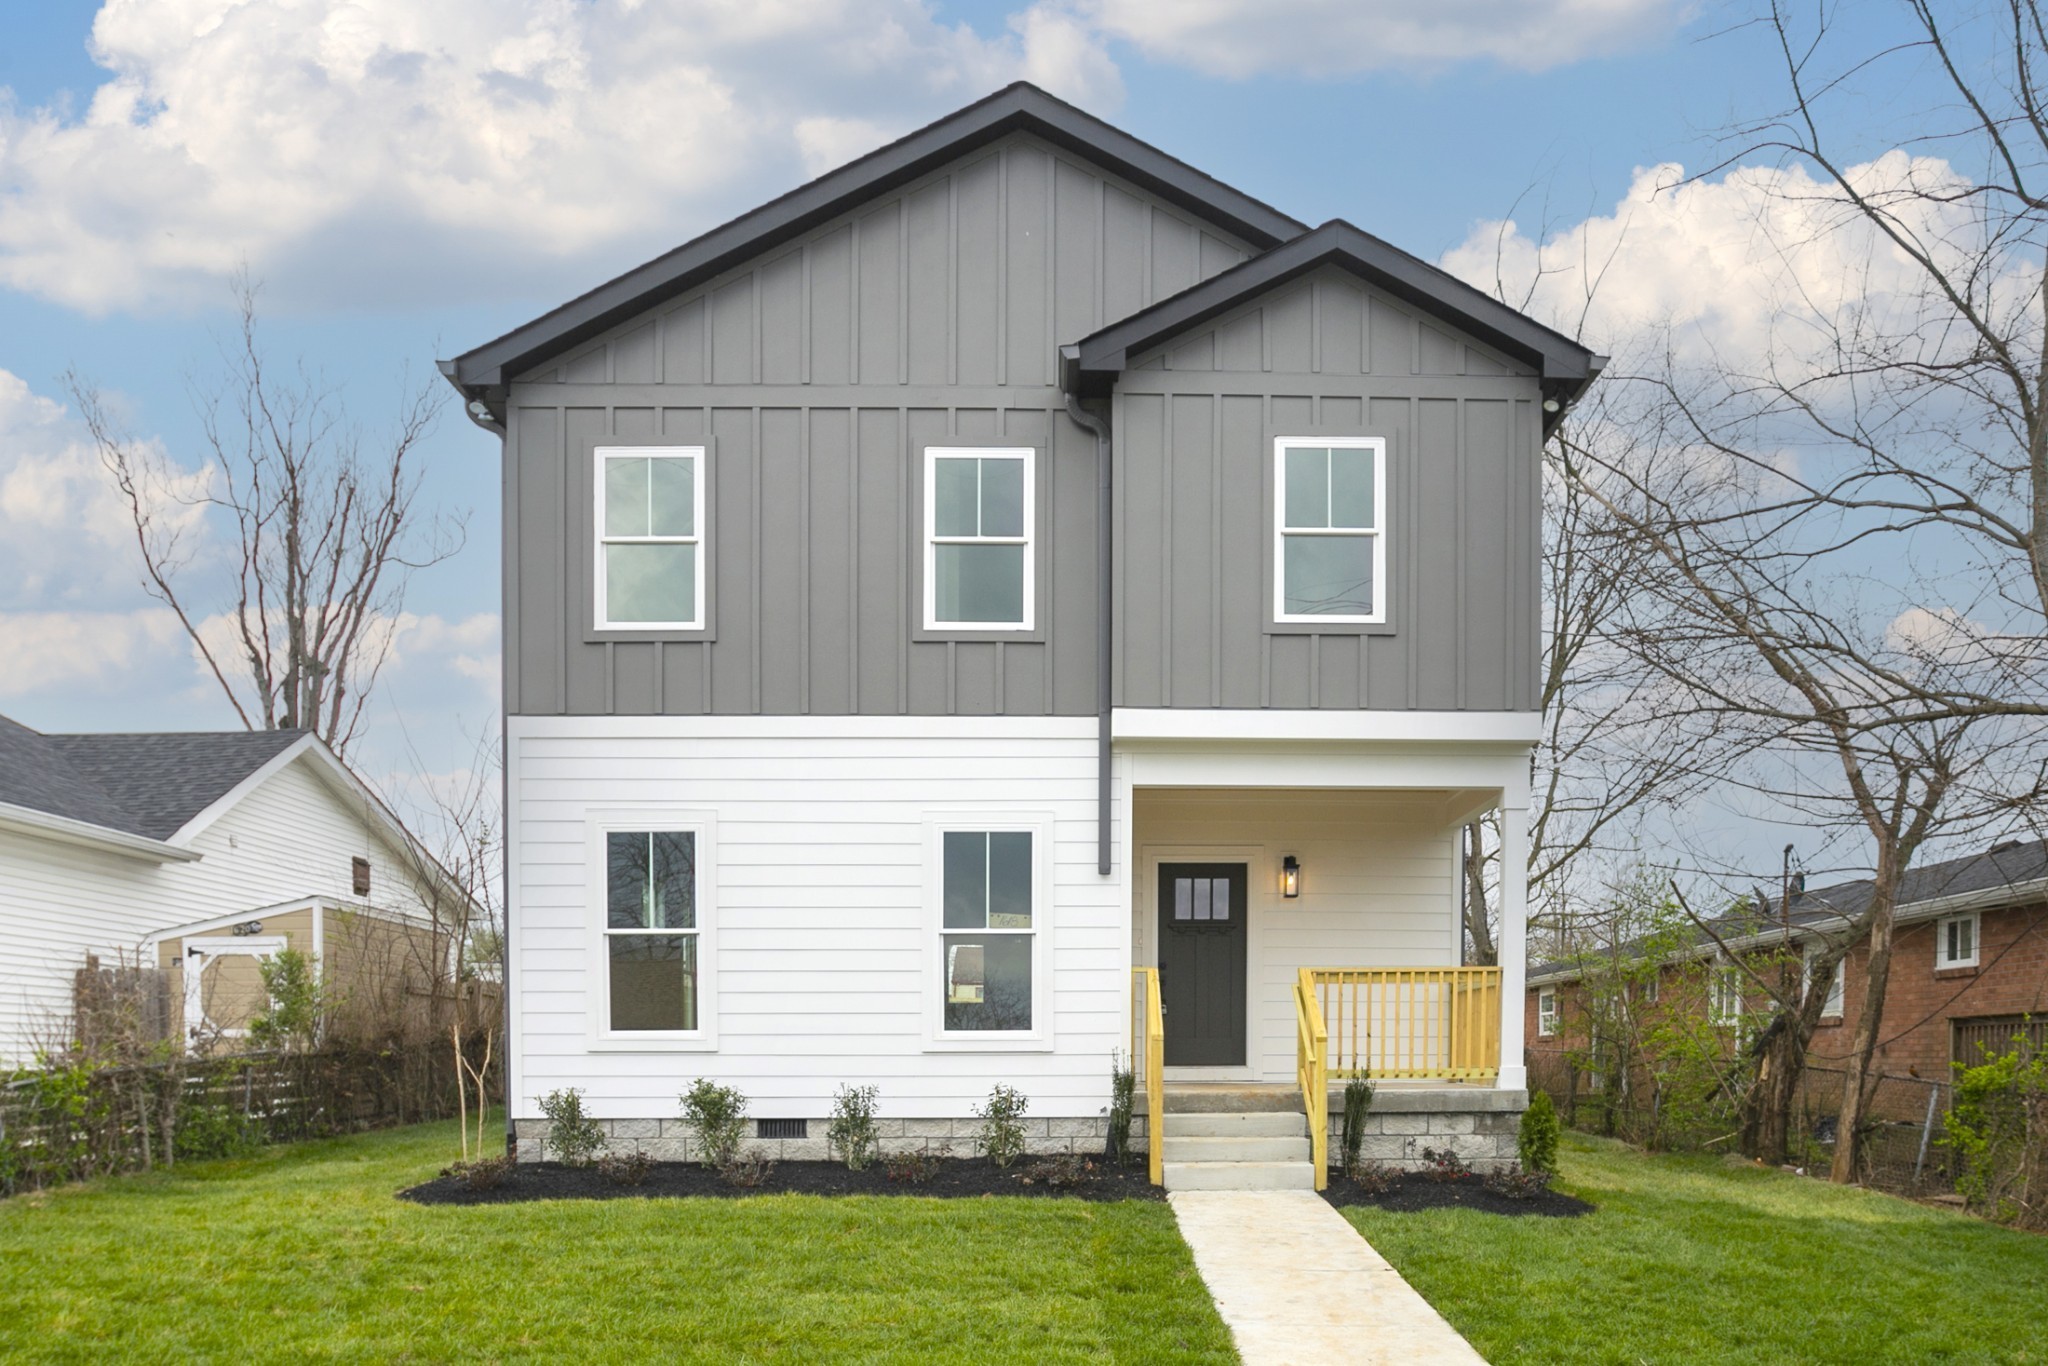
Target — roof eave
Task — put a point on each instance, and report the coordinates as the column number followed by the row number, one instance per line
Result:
column 65, row 830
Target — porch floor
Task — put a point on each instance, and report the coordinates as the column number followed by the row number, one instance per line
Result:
column 1238, row 1097
column 1298, row 1285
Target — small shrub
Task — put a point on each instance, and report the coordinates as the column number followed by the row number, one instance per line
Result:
column 1002, row 1130
column 718, row 1116
column 1357, row 1100
column 1123, row 1098
column 1998, row 1128
column 853, row 1133
column 298, row 1003
column 216, row 1131
column 1064, row 1171
column 1537, row 1138
column 1376, row 1178
column 486, row 1173
column 626, row 1169
column 916, row 1166
column 749, row 1170
column 574, row 1138
column 1444, row 1165
column 1518, row 1182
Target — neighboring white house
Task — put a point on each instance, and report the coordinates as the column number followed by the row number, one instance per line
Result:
column 184, row 849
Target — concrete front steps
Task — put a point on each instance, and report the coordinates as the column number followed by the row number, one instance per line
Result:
column 1237, row 1150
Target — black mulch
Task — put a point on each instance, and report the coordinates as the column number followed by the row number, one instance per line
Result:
column 952, row 1178
column 1414, row 1191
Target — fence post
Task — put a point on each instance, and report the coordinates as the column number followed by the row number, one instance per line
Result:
column 1926, row 1131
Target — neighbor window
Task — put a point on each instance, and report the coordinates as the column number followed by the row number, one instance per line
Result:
column 1546, row 1013
column 989, row 929
column 1955, row 941
column 650, row 541
column 978, row 555
column 1329, row 545
column 651, row 930
column 1725, row 1005
column 1833, row 1005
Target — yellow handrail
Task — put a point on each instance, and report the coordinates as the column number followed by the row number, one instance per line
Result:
column 1439, row 1023
column 1149, row 1054
column 1312, row 1069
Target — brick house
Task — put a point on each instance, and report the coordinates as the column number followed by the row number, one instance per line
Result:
column 1969, row 968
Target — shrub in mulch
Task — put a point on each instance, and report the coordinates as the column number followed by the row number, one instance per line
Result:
column 1405, row 1192
column 1077, row 1178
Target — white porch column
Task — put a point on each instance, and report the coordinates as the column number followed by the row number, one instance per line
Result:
column 1513, row 942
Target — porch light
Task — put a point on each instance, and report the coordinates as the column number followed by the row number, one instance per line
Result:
column 1290, row 876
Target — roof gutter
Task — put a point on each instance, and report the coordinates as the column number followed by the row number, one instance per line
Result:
column 44, row 825
column 1104, row 604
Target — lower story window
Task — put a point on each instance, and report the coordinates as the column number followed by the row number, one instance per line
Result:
column 988, row 937
column 651, row 930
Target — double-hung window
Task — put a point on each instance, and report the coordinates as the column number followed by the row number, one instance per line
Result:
column 1832, row 1006
column 1955, row 941
column 1329, row 535
column 1546, row 1013
column 989, row 929
column 979, row 560
column 651, row 931
column 1725, row 997
column 650, row 538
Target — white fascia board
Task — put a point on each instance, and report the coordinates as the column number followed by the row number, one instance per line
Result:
column 64, row 830
column 800, row 727
column 1382, row 727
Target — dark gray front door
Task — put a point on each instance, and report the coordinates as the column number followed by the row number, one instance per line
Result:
column 1202, row 962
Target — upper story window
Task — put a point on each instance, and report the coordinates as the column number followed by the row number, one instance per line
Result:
column 1724, row 1003
column 1546, row 1013
column 1329, row 535
column 1955, row 941
column 1832, row 1006
column 979, row 567
column 650, row 541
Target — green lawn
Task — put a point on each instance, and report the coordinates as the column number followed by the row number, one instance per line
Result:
column 1689, row 1259
column 302, row 1253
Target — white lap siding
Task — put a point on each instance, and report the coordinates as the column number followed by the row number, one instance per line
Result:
column 822, row 973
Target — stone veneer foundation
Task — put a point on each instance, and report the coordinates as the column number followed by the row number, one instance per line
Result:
column 669, row 1140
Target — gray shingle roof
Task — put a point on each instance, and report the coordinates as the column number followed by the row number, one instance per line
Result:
column 2010, row 864
column 140, row 784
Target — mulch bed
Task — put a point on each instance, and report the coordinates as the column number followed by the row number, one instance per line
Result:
column 952, row 1179
column 1417, row 1192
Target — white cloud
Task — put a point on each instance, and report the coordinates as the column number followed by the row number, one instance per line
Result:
column 1239, row 38
column 1750, row 267
column 95, row 652
column 380, row 150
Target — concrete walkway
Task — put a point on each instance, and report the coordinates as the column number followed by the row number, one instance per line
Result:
column 1299, row 1287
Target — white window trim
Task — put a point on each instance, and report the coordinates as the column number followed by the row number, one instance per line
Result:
column 1038, row 1038
column 1836, row 986
column 932, row 456
column 598, row 823
column 1941, row 959
column 698, row 455
column 1724, row 984
column 1546, row 1013
column 1378, row 533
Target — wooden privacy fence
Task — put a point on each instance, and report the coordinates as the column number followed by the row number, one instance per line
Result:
column 1435, row 1023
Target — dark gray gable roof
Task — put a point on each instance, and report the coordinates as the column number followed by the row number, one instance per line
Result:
column 140, row 784
column 483, row 372
column 2014, row 863
column 1091, row 367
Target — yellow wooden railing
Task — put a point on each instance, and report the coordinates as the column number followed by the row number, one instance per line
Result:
column 1148, row 1056
column 1439, row 1023
column 1312, row 1069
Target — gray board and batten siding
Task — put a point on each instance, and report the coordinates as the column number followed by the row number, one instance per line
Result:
column 817, row 372
column 820, row 371
column 1326, row 355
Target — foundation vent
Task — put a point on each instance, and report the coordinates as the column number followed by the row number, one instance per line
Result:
column 782, row 1128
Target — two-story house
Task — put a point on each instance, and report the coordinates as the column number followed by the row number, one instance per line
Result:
column 1011, row 599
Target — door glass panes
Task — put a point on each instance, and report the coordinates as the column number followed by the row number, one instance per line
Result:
column 651, row 929
column 980, row 561
column 1329, row 530
column 1201, row 899
column 987, row 889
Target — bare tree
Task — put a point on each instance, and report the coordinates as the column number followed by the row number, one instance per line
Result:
column 326, row 535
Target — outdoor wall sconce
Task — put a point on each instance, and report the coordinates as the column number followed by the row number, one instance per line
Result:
column 1290, row 876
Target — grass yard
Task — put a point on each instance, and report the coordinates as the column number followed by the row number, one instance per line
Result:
column 302, row 1253
column 1689, row 1259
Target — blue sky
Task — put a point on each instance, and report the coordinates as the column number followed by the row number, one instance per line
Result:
column 407, row 182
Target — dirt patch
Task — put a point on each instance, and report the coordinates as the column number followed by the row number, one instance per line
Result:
column 951, row 1179
column 1414, row 1191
